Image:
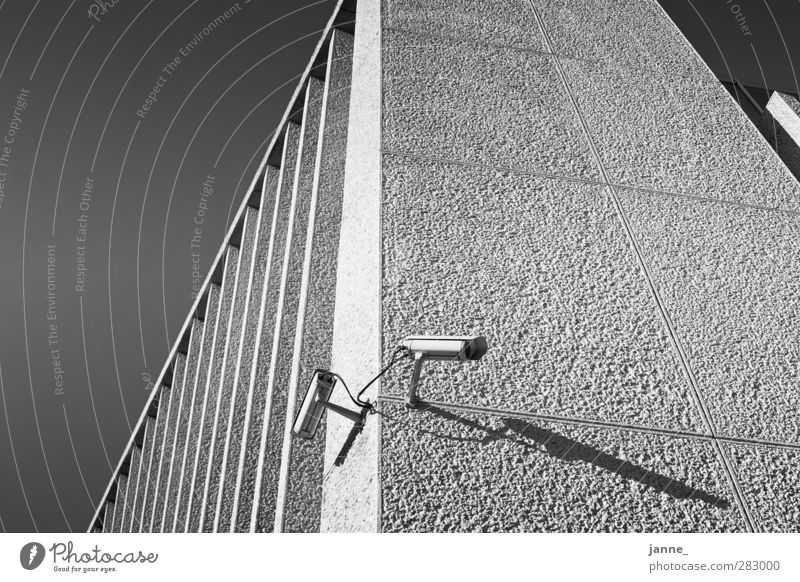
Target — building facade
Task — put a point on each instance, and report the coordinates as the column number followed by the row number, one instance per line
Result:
column 567, row 179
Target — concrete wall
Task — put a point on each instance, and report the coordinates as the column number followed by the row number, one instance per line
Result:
column 570, row 180
column 780, row 124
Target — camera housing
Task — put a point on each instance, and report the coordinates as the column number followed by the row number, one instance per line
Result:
column 440, row 347
column 316, row 401
column 446, row 347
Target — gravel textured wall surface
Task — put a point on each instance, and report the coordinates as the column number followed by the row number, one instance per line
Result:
column 452, row 471
column 589, row 198
column 769, row 478
column 729, row 277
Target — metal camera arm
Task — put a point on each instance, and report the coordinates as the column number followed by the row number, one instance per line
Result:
column 357, row 416
column 439, row 347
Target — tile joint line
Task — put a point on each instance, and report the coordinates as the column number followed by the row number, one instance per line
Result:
column 686, row 434
column 701, row 405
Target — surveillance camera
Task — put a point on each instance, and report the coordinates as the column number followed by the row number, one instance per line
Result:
column 442, row 347
column 316, row 401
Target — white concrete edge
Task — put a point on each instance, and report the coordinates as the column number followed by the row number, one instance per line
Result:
column 784, row 114
column 356, row 344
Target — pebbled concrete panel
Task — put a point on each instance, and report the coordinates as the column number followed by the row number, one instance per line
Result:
column 196, row 406
column 306, row 516
column 502, row 22
column 251, row 347
column 452, row 471
column 542, row 268
column 315, row 315
column 266, row 435
column 770, row 478
column 228, row 370
column 635, row 34
column 678, row 135
column 350, row 496
column 119, row 503
column 151, row 484
column 186, row 388
column 203, row 467
column 441, row 99
column 165, row 457
column 730, row 280
column 144, row 474
column 780, row 124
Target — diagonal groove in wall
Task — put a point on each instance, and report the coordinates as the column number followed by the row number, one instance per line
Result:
column 582, row 180
column 702, row 407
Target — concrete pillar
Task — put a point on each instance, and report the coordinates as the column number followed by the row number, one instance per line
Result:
column 351, row 495
column 780, row 124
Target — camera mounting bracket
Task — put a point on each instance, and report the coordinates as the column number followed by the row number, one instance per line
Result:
column 359, row 417
column 411, row 397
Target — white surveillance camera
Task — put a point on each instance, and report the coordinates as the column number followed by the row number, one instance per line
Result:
column 442, row 347
column 316, row 401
